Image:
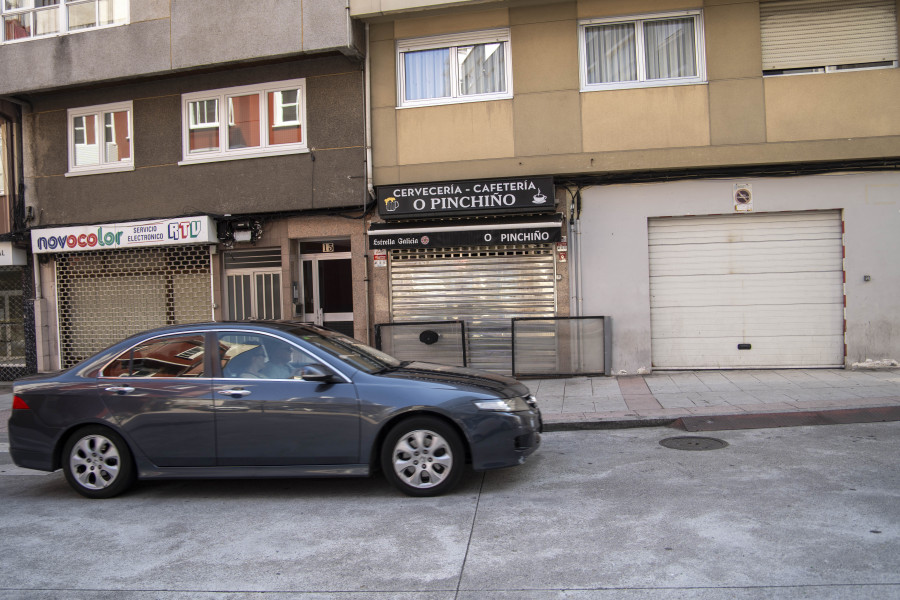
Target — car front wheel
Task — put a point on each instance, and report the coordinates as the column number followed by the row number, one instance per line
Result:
column 423, row 456
column 97, row 462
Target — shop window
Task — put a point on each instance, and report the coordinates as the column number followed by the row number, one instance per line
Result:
column 457, row 68
column 245, row 122
column 100, row 139
column 28, row 19
column 655, row 50
column 827, row 36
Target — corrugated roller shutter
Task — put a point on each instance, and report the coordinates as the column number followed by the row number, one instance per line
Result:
column 485, row 287
column 819, row 33
column 770, row 282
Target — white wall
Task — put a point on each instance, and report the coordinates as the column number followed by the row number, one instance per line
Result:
column 614, row 259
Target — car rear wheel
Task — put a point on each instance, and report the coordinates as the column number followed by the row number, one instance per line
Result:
column 98, row 463
column 423, row 456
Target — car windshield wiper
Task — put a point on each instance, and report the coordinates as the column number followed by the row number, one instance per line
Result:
column 389, row 368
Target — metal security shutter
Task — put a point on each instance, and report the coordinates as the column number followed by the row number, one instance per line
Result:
column 484, row 286
column 773, row 281
column 105, row 296
column 819, row 33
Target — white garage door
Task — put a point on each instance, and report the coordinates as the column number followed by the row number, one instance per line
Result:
column 747, row 291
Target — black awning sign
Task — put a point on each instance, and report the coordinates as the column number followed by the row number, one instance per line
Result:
column 438, row 238
column 489, row 196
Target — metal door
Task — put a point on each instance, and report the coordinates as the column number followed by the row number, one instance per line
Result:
column 762, row 290
column 254, row 295
column 485, row 286
column 253, row 284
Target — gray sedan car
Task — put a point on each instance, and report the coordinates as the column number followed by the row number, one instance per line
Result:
column 266, row 399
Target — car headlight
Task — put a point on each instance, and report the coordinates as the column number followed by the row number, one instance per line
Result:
column 503, row 404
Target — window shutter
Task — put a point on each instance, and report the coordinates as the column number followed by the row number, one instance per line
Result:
column 818, row 33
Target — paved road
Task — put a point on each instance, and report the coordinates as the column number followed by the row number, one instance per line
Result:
column 805, row 512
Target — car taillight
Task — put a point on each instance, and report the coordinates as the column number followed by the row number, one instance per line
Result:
column 19, row 404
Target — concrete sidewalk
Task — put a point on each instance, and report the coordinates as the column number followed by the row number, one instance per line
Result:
column 667, row 396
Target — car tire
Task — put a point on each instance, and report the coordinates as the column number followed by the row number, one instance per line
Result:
column 97, row 462
column 423, row 456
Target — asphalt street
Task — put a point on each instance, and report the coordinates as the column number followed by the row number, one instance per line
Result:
column 803, row 512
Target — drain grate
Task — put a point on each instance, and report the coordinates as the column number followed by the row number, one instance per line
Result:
column 692, row 442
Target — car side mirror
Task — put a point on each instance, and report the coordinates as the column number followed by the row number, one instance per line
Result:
column 316, row 373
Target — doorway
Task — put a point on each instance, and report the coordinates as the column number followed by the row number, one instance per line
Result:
column 326, row 277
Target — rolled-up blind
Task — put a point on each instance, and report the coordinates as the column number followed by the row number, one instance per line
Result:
column 819, row 33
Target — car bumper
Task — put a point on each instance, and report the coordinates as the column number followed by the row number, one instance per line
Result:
column 506, row 439
column 30, row 446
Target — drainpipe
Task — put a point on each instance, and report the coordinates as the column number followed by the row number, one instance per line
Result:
column 370, row 188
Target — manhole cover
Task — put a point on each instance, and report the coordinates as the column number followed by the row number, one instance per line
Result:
column 692, row 442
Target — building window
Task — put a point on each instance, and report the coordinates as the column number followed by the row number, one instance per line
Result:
column 245, row 122
column 100, row 139
column 27, row 19
column 827, row 36
column 665, row 49
column 455, row 68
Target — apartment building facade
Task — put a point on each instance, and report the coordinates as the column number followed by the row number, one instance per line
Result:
column 185, row 161
column 16, row 319
column 723, row 173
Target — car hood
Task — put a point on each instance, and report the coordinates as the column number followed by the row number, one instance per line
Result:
column 460, row 377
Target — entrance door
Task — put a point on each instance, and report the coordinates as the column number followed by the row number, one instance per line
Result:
column 327, row 285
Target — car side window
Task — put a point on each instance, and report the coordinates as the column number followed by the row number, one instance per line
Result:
column 256, row 356
column 166, row 356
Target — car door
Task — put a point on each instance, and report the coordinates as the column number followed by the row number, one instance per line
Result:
column 161, row 394
column 265, row 416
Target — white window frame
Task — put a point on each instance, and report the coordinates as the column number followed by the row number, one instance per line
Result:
column 99, row 111
column 225, row 118
column 62, row 19
column 642, row 81
column 279, row 107
column 195, row 124
column 490, row 36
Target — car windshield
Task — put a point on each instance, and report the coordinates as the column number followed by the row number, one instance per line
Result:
column 349, row 350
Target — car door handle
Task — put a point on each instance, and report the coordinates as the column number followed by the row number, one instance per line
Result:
column 235, row 393
column 120, row 389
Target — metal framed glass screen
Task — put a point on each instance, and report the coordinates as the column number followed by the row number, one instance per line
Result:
column 105, row 296
column 484, row 286
column 441, row 342
column 561, row 346
column 253, row 283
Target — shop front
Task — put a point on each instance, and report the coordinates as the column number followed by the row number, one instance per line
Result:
column 13, row 343
column 479, row 253
column 101, row 283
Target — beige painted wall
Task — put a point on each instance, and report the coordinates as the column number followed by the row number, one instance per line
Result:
column 550, row 126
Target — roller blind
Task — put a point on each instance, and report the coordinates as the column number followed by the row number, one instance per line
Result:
column 819, row 33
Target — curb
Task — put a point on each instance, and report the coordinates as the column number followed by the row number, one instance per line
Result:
column 763, row 420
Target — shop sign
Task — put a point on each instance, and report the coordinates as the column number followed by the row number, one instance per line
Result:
column 442, row 238
column 474, row 197
column 113, row 236
column 10, row 256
